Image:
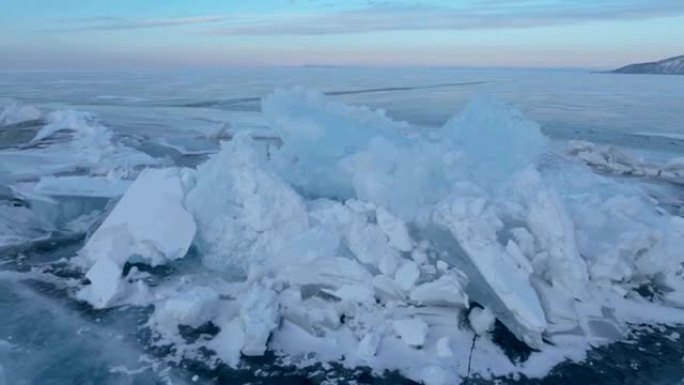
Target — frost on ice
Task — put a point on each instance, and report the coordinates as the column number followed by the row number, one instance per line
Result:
column 366, row 242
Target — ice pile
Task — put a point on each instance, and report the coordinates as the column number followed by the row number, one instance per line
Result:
column 71, row 142
column 613, row 160
column 365, row 242
column 65, row 176
column 92, row 140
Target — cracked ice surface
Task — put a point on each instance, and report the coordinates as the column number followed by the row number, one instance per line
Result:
column 365, row 242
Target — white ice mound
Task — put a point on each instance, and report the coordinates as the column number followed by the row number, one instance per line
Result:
column 15, row 113
column 149, row 223
column 318, row 132
column 244, row 213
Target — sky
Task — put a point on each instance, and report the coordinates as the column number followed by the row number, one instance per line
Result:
column 130, row 34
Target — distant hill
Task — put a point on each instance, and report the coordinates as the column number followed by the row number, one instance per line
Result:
column 671, row 66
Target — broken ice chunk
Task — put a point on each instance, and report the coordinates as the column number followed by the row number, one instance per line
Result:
column 395, row 230
column 192, row 308
column 228, row 342
column 368, row 345
column 561, row 314
column 82, row 186
column 558, row 259
column 314, row 315
column 327, row 272
column 407, row 275
column 495, row 276
column 260, row 315
column 388, row 264
column 318, row 241
column 387, row 289
column 447, row 290
column 105, row 280
column 481, row 320
column 150, row 220
column 60, row 200
column 369, row 244
column 444, row 348
column 149, row 223
column 412, row 331
column 354, row 293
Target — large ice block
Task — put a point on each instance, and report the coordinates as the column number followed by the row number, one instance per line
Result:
column 149, row 224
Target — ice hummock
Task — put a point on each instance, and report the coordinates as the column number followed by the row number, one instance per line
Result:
column 71, row 142
column 360, row 244
column 613, row 160
column 14, row 113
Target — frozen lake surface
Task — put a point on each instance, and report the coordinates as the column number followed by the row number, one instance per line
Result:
column 490, row 226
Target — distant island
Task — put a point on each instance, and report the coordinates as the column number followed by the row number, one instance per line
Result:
column 671, row 66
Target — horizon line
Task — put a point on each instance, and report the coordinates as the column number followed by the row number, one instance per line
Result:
column 145, row 68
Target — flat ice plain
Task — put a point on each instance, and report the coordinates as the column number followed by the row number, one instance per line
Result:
column 335, row 224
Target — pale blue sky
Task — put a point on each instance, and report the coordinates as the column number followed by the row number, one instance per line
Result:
column 122, row 34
